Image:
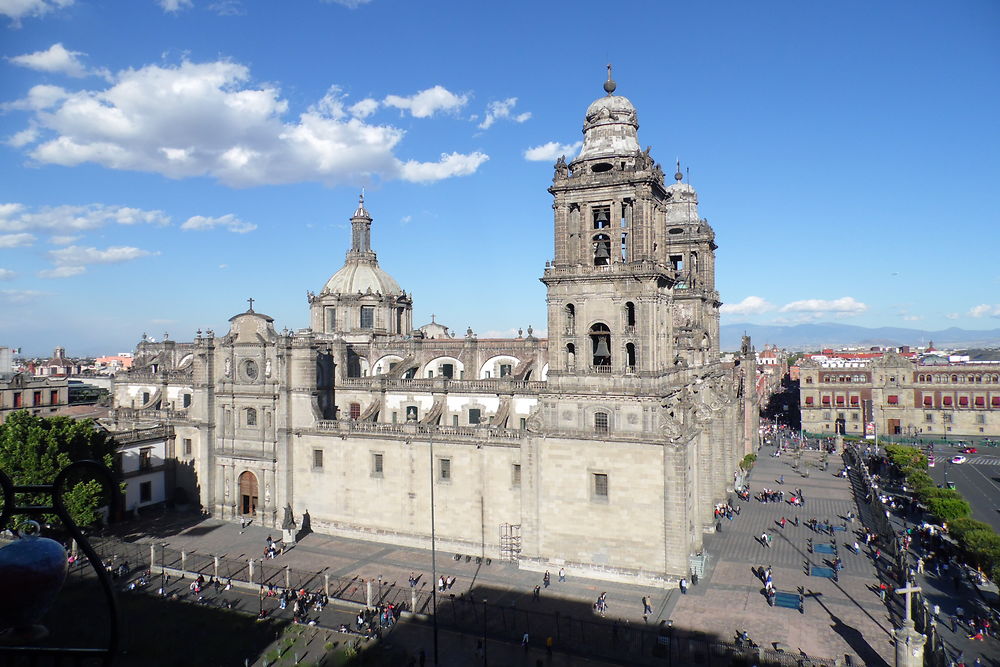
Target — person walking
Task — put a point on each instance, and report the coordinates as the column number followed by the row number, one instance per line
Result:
column 683, row 585
column 562, row 574
column 546, row 579
column 647, row 609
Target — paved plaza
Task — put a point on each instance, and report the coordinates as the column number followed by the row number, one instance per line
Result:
column 842, row 617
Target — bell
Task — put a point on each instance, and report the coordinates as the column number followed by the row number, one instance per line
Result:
column 601, row 221
column 603, row 250
column 601, row 350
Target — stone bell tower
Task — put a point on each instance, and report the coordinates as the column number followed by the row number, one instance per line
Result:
column 631, row 290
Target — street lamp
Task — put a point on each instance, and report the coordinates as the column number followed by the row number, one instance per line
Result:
column 484, row 632
column 163, row 571
column 379, row 590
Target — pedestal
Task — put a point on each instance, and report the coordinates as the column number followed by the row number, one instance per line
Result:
column 288, row 536
column 909, row 646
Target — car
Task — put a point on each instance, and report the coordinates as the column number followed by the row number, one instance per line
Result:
column 930, row 461
column 958, row 459
column 969, row 450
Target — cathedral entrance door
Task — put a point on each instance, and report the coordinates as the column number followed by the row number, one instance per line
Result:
column 248, row 493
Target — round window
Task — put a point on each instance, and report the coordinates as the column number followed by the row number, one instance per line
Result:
column 250, row 369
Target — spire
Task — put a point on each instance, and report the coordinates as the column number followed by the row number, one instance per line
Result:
column 361, row 230
column 610, row 85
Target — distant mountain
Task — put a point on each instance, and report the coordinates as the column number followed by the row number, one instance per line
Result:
column 830, row 334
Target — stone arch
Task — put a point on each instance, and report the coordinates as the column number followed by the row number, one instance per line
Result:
column 384, row 364
column 249, row 492
column 443, row 366
column 496, row 366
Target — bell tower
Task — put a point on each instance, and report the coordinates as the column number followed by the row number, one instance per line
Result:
column 631, row 289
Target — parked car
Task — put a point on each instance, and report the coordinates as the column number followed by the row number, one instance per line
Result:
column 958, row 459
column 969, row 450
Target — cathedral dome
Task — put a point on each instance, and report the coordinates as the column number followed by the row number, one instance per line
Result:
column 611, row 128
column 362, row 277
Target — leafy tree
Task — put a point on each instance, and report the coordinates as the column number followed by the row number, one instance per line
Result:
column 959, row 528
column 33, row 450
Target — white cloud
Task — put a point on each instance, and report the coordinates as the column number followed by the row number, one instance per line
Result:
column 55, row 59
column 364, row 108
column 405, row 220
column 502, row 109
column 427, row 102
column 20, row 295
column 7, row 274
column 350, row 4
column 912, row 318
column 953, row 316
column 751, row 305
column 79, row 255
column 18, row 9
column 551, row 151
column 453, row 164
column 984, row 310
column 223, row 266
column 63, row 239
column 16, row 240
column 842, row 307
column 229, row 221
column 15, row 217
column 174, row 6
column 62, row 272
column 26, row 136
column 207, row 120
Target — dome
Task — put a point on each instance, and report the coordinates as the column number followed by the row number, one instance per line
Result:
column 611, row 128
column 357, row 277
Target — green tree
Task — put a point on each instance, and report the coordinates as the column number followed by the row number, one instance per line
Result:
column 34, row 449
column 949, row 509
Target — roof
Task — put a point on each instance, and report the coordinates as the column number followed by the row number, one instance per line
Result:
column 362, row 276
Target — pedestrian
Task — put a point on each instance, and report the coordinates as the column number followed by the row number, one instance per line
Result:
column 243, row 524
column 562, row 574
column 683, row 584
column 646, row 607
column 548, row 645
column 524, row 641
column 536, row 594
column 882, row 588
column 546, row 579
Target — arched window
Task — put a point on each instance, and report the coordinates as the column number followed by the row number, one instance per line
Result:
column 570, row 356
column 630, row 315
column 600, row 339
column 602, row 250
column 570, row 318
column 187, row 400
column 251, row 417
column 630, row 357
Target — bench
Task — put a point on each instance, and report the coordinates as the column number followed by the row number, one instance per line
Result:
column 825, row 549
column 821, row 571
column 788, row 600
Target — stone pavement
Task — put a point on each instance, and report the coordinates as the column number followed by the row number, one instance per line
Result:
column 842, row 617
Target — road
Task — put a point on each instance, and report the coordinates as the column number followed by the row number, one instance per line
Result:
column 978, row 479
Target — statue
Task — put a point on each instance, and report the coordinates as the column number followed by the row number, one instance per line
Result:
column 287, row 521
column 229, row 367
column 562, row 169
column 267, row 368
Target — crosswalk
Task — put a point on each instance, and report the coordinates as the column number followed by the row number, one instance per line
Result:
column 983, row 460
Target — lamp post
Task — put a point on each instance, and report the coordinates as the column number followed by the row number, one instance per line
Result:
column 163, row 571
column 379, row 590
column 434, row 581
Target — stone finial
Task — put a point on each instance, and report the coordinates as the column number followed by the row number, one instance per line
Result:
column 610, row 85
column 678, row 176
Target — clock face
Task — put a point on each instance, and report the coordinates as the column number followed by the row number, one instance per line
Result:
column 250, row 369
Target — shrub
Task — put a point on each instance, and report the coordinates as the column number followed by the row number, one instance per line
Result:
column 748, row 461
column 949, row 509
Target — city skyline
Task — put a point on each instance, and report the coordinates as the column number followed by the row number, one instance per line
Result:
column 127, row 210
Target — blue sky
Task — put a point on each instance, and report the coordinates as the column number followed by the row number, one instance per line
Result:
column 164, row 160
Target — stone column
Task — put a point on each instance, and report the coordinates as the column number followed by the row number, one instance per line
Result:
column 909, row 646
column 368, row 594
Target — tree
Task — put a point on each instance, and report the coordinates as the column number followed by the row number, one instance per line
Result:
column 33, row 450
column 949, row 509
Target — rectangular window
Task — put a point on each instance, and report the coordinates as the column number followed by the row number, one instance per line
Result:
column 317, row 458
column 395, row 417
column 355, row 410
column 928, row 401
column 826, row 400
column 377, row 461
column 331, row 319
column 929, row 417
column 145, row 458
column 893, row 400
column 855, row 400
column 444, row 470
column 515, row 475
column 367, row 317
column 601, row 422
column 980, row 419
column 600, row 489
column 980, row 402
column 947, row 418
column 448, row 370
column 995, row 401
column 505, row 370
column 826, row 415
column 36, row 398
column 187, row 446
column 17, row 399
column 145, row 492
column 54, row 397
column 946, row 400
column 524, row 423
column 854, row 416
column 963, row 401
column 454, row 420
column 475, row 415
column 840, row 400
column 809, row 400
column 187, row 400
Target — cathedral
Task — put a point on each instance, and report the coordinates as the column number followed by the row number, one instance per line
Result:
column 602, row 448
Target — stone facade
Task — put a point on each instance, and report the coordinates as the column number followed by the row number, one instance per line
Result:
column 602, row 448
column 901, row 396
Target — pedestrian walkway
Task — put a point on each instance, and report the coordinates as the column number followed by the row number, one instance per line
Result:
column 842, row 616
